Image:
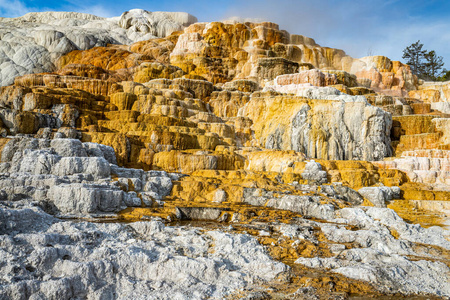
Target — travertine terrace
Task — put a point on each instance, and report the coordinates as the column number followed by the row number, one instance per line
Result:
column 149, row 156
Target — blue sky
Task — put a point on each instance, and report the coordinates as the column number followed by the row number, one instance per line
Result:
column 358, row 27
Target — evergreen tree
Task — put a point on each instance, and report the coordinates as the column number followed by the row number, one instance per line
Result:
column 445, row 75
column 426, row 65
column 414, row 56
column 433, row 65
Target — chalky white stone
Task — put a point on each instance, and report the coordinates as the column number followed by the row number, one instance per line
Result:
column 34, row 42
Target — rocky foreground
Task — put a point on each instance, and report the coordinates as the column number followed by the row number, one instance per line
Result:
column 149, row 156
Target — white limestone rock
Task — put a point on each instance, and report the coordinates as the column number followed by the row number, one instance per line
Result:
column 127, row 172
column 374, row 218
column 340, row 191
column 329, row 93
column 443, row 107
column 85, row 199
column 389, row 273
column 74, row 178
column 14, row 148
column 376, row 195
column 424, row 166
column 97, row 167
column 411, row 232
column 68, row 147
column 382, row 259
column 305, row 205
column 220, row 196
column 131, row 199
column 337, row 130
column 68, row 132
column 309, row 91
column 313, row 173
column 159, row 24
column 188, row 43
column 99, row 150
column 34, row 42
column 158, row 184
column 143, row 260
column 29, row 220
column 36, row 162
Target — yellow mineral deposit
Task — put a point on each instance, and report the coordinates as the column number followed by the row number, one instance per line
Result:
column 210, row 102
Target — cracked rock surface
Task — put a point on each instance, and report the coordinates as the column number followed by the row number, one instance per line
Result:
column 145, row 260
column 34, row 42
column 74, row 178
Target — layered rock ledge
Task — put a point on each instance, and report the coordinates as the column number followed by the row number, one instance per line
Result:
column 152, row 156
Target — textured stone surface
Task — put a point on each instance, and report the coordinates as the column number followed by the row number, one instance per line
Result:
column 424, row 166
column 432, row 92
column 159, row 24
column 378, row 196
column 33, row 43
column 239, row 110
column 314, row 174
column 320, row 129
column 117, row 261
column 74, row 178
column 382, row 260
column 314, row 77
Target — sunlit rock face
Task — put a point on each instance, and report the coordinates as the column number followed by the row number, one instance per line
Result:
column 145, row 252
column 211, row 157
column 244, row 50
column 160, row 24
column 434, row 94
column 334, row 130
column 424, row 166
column 217, row 51
column 34, row 42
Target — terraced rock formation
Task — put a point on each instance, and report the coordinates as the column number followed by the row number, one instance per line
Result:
column 162, row 158
column 34, row 42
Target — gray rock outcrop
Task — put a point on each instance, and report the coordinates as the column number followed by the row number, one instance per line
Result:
column 314, row 174
column 332, row 129
column 74, row 178
column 379, row 196
column 143, row 260
column 382, row 259
column 34, row 42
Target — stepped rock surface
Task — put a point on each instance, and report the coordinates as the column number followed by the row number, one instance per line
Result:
column 34, row 42
column 135, row 261
column 150, row 156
